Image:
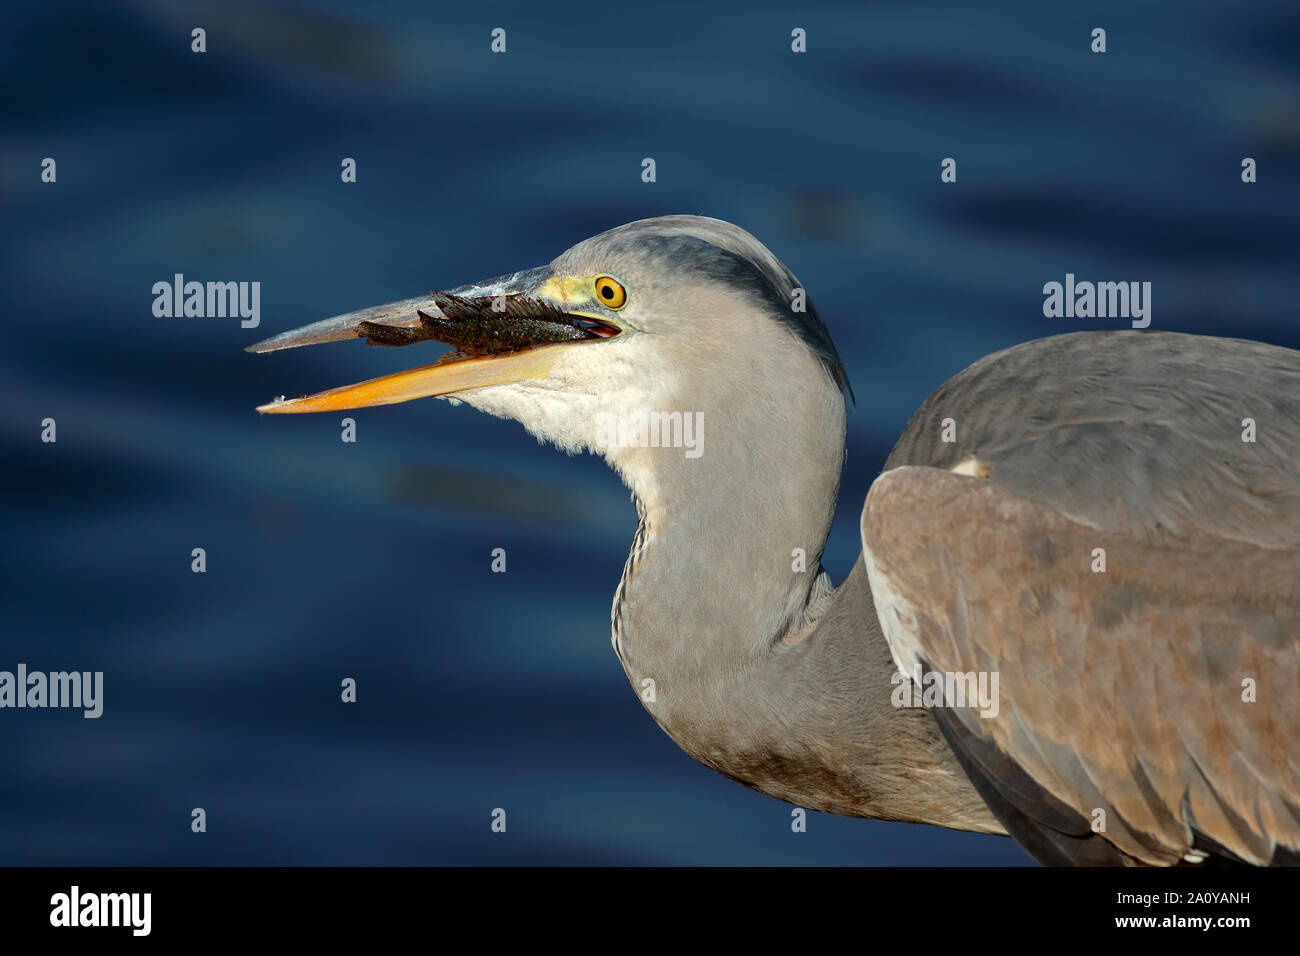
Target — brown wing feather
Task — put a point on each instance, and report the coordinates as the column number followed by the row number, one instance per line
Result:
column 1119, row 690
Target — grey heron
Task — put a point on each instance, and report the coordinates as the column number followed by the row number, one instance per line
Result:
column 1147, row 708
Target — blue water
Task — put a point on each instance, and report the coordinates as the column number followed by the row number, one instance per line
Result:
column 371, row 560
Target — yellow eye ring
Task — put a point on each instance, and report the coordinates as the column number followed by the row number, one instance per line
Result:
column 611, row 294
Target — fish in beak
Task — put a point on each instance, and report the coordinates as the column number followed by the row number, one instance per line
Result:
column 503, row 330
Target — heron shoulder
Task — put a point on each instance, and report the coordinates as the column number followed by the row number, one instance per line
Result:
column 1163, row 435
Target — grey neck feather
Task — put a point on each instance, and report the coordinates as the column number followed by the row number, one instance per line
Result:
column 758, row 670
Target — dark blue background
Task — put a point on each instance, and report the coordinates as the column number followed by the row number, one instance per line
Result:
column 371, row 560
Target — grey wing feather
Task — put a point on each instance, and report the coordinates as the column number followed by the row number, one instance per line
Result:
column 1140, row 431
column 1121, row 691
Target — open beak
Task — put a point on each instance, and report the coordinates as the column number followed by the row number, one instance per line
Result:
column 503, row 330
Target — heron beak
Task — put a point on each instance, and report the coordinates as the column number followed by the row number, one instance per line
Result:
column 504, row 330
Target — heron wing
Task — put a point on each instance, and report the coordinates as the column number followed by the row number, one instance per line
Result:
column 1148, row 711
column 1160, row 435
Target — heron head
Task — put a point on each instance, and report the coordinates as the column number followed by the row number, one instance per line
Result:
column 676, row 314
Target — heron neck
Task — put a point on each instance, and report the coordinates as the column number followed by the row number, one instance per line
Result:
column 727, row 550
column 728, row 630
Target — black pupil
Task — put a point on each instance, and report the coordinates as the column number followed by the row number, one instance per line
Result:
column 607, row 291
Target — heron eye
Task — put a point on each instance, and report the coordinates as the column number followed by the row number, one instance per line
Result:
column 613, row 295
